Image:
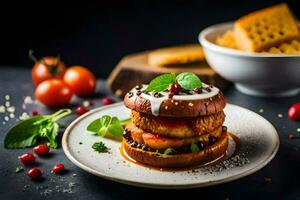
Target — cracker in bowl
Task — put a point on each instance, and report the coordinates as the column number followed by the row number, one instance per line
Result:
column 266, row 28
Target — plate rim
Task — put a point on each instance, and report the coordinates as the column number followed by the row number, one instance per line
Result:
column 260, row 165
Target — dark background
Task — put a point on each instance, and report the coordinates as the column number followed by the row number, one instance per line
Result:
column 97, row 34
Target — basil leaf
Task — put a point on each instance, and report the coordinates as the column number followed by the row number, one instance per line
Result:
column 115, row 127
column 188, row 81
column 161, row 83
column 23, row 134
column 194, row 148
column 52, row 134
column 106, row 124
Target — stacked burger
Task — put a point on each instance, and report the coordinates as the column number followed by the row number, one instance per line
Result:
column 179, row 126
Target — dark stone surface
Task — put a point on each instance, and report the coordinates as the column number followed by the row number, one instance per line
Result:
column 278, row 180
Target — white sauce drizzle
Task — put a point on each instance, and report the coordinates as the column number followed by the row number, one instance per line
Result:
column 157, row 101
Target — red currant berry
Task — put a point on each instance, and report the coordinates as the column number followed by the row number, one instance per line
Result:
column 34, row 173
column 81, row 110
column 170, row 95
column 27, row 158
column 175, row 88
column 34, row 113
column 294, row 112
column 41, row 150
column 107, row 101
column 198, row 90
column 57, row 168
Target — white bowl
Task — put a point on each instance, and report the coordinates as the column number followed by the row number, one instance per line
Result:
column 258, row 74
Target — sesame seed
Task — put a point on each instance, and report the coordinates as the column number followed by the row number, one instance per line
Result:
column 279, row 115
column 7, row 104
column 2, row 109
column 176, row 103
column 191, row 104
column 166, row 107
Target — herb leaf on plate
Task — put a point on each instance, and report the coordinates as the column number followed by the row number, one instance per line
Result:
column 100, row 147
column 188, row 80
column 161, row 83
column 106, row 124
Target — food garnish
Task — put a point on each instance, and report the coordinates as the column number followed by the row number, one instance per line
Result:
column 173, row 83
column 294, row 112
column 19, row 169
column 81, row 110
column 41, row 150
column 27, row 158
column 58, row 168
column 107, row 101
column 166, row 153
column 34, row 173
column 100, row 147
column 107, row 125
column 26, row 133
column 194, row 148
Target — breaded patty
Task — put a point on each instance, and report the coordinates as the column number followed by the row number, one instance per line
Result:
column 161, row 143
column 178, row 127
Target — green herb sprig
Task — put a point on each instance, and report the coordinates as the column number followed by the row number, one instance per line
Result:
column 100, row 147
column 194, row 148
column 186, row 80
column 26, row 133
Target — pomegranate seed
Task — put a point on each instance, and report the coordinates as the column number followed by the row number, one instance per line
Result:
column 27, row 158
column 107, row 101
column 138, row 93
column 197, row 90
column 57, row 168
column 175, row 88
column 294, row 112
column 34, row 113
column 81, row 110
column 170, row 95
column 34, row 173
column 41, row 150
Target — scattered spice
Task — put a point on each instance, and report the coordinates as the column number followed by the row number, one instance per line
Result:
column 298, row 130
column 279, row 115
column 261, row 110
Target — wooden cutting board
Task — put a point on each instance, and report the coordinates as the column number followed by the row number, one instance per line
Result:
column 134, row 69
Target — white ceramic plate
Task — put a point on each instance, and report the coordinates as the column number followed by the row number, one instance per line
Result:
column 258, row 139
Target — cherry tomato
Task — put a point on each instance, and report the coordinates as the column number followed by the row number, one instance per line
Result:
column 57, row 168
column 53, row 93
column 81, row 80
column 27, row 158
column 294, row 112
column 34, row 173
column 81, row 110
column 46, row 68
column 107, row 101
column 41, row 150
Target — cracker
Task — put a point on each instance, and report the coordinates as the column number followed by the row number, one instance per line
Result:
column 286, row 48
column 266, row 28
column 176, row 55
column 227, row 40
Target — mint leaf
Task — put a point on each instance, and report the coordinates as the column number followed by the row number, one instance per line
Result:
column 166, row 153
column 100, row 147
column 194, row 148
column 161, row 83
column 188, row 81
column 106, row 124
